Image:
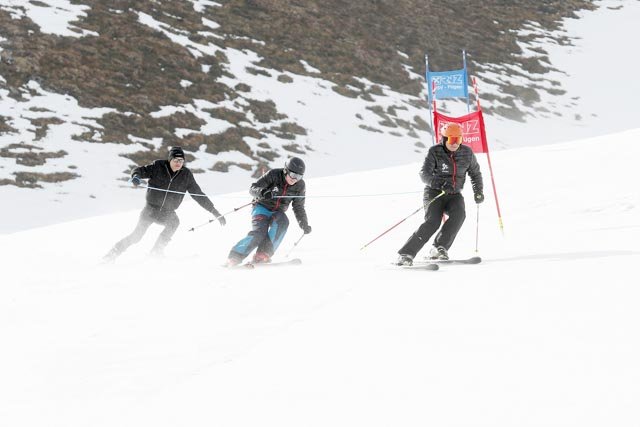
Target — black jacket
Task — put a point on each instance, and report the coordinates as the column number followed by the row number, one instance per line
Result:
column 161, row 176
column 441, row 166
column 275, row 181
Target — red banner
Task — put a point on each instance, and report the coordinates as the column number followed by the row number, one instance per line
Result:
column 473, row 130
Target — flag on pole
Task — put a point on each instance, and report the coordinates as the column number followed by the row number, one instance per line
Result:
column 449, row 84
column 473, row 130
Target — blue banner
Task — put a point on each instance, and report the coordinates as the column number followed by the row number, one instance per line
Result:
column 449, row 84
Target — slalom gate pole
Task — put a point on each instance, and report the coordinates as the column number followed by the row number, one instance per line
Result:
column 493, row 181
column 404, row 219
column 426, row 76
column 218, row 217
column 294, row 246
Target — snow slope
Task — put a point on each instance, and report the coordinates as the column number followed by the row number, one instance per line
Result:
column 543, row 332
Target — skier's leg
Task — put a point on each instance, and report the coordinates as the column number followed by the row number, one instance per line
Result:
column 171, row 222
column 277, row 230
column 456, row 210
column 260, row 220
column 144, row 222
column 431, row 223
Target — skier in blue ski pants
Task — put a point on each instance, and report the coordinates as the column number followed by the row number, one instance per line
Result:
column 268, row 228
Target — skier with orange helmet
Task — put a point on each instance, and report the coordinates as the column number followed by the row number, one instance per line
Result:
column 444, row 171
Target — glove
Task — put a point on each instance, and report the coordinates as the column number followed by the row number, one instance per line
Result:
column 219, row 217
column 447, row 187
column 135, row 180
column 267, row 194
column 306, row 228
column 478, row 197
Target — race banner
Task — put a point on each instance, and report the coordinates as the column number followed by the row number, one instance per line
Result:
column 473, row 130
column 449, row 84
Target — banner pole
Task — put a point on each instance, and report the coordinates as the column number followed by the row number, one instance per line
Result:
column 426, row 76
column 493, row 181
column 464, row 63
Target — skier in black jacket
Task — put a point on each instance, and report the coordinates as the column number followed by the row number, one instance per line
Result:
column 268, row 219
column 444, row 169
column 172, row 176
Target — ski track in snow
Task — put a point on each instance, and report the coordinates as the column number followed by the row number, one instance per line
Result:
column 540, row 333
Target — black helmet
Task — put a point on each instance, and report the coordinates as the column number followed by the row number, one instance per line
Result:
column 295, row 165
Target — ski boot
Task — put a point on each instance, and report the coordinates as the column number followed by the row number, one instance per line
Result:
column 405, row 259
column 438, row 253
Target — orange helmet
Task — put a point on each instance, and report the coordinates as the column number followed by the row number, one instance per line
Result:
column 452, row 130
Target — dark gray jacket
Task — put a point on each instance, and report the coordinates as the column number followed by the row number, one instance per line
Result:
column 161, row 176
column 442, row 166
column 275, row 181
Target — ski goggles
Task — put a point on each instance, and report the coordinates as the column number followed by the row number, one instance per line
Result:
column 293, row 175
column 453, row 139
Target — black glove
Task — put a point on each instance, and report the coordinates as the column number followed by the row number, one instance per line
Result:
column 135, row 180
column 447, row 187
column 267, row 194
column 306, row 228
column 219, row 217
column 478, row 197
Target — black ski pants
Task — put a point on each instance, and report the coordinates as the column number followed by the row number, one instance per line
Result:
column 148, row 216
column 450, row 204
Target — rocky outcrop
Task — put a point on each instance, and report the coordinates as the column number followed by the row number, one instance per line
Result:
column 135, row 69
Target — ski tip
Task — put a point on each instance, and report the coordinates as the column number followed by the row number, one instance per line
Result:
column 475, row 260
column 429, row 266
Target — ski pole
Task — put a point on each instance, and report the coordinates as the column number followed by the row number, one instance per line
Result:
column 218, row 217
column 404, row 219
column 477, row 225
column 294, row 246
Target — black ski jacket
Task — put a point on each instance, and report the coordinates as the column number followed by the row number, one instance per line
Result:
column 161, row 176
column 275, row 181
column 443, row 166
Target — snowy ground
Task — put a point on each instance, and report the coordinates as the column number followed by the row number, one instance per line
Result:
column 543, row 332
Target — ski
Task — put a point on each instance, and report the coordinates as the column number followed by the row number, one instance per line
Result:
column 245, row 266
column 472, row 260
column 294, row 261
column 426, row 266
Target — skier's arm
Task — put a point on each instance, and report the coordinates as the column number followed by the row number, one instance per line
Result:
column 198, row 195
column 428, row 169
column 143, row 172
column 476, row 175
column 265, row 182
column 299, row 210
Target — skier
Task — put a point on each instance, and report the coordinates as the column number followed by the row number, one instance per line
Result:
column 173, row 176
column 444, row 169
column 269, row 221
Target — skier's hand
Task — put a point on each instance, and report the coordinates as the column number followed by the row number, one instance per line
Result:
column 135, row 180
column 306, row 228
column 267, row 194
column 447, row 187
column 219, row 217
column 478, row 197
